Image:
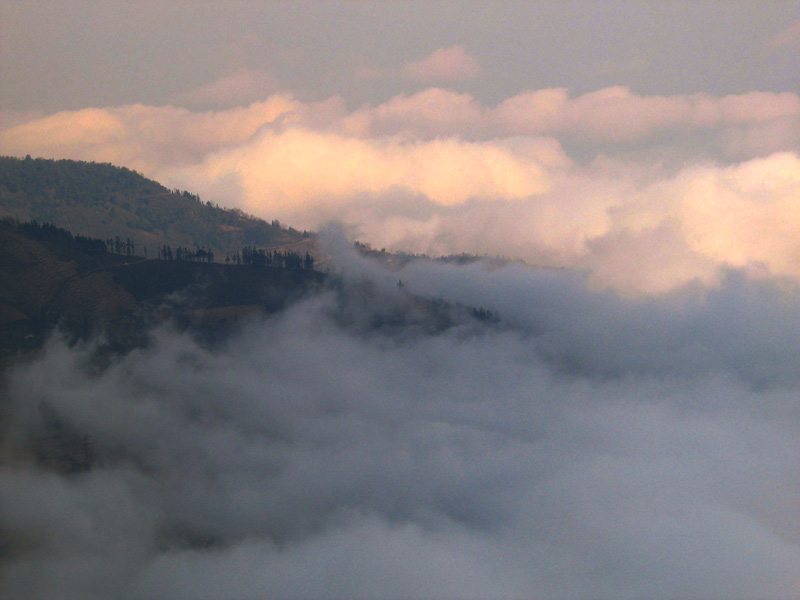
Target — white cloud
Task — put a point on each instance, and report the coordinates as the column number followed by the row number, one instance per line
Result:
column 147, row 138
column 297, row 170
column 243, row 86
column 617, row 114
column 444, row 65
column 429, row 113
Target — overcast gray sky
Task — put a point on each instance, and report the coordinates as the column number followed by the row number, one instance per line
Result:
column 67, row 54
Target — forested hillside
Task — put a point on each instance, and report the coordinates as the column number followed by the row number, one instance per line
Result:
column 105, row 201
column 49, row 277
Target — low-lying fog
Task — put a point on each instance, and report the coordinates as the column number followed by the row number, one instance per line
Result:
column 585, row 447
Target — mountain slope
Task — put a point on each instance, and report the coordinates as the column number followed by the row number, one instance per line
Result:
column 105, row 201
column 49, row 277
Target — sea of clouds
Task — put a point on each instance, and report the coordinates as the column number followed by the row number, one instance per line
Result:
column 587, row 446
column 628, row 429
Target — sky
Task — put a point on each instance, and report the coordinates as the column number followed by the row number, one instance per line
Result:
column 68, row 54
column 628, row 429
column 653, row 144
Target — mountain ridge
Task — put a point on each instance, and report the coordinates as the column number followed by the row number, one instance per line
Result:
column 107, row 201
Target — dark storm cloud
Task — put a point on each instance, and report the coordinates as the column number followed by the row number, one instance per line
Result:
column 586, row 447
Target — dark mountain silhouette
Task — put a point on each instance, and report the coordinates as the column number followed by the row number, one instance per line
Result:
column 49, row 278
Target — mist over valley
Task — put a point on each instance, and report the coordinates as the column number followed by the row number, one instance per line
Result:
column 364, row 442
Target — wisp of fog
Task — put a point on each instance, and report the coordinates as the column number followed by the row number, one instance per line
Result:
column 584, row 446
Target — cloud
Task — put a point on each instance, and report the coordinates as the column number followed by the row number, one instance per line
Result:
column 429, row 113
column 146, row 138
column 243, row 86
column 589, row 447
column 451, row 64
column 607, row 116
column 616, row 114
column 599, row 181
column 635, row 231
column 701, row 220
column 295, row 169
column 788, row 37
